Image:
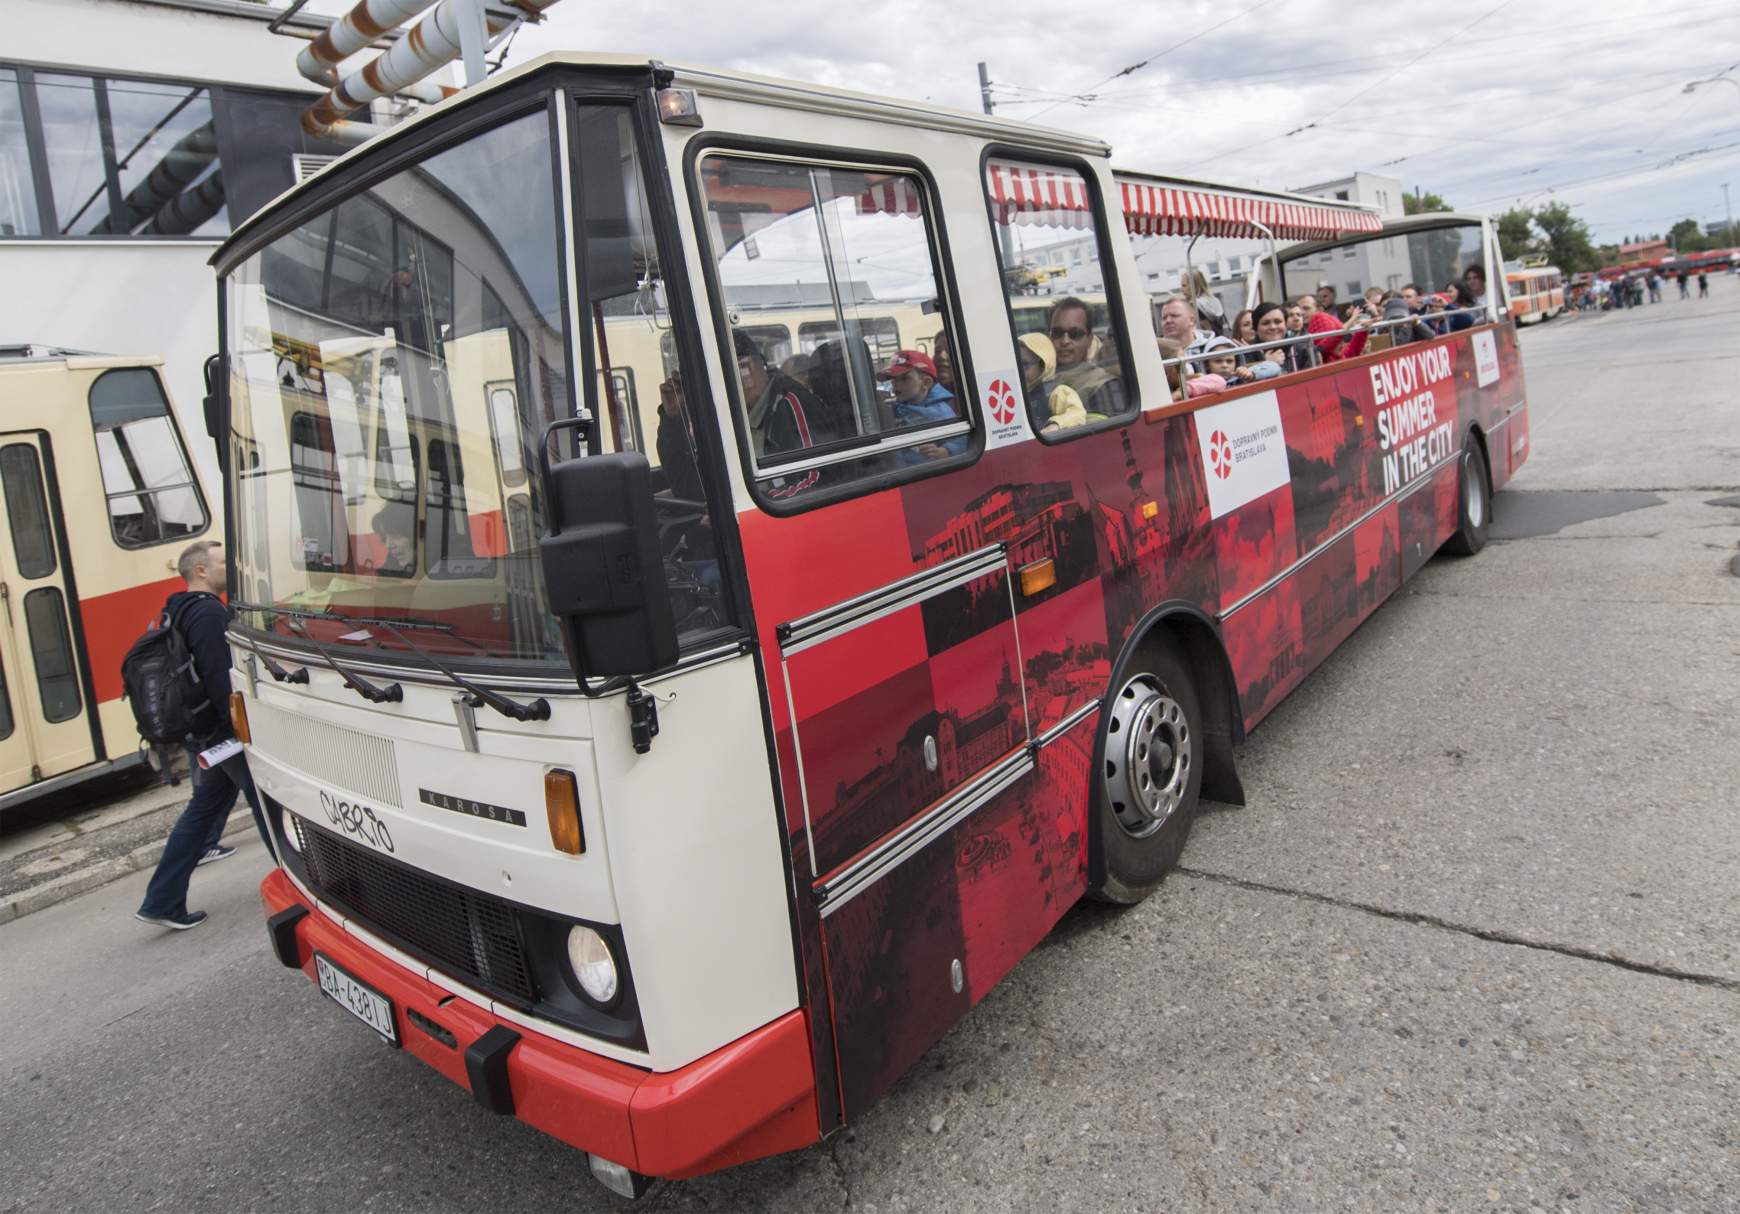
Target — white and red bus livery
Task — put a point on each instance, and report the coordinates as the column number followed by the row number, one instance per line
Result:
column 669, row 733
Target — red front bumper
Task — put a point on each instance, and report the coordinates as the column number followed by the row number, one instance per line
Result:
column 755, row 1097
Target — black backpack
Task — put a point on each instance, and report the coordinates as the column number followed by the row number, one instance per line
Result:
column 162, row 685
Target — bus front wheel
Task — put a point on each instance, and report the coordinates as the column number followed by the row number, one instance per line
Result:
column 1474, row 501
column 1151, row 775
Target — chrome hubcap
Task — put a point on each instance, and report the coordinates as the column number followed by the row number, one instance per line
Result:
column 1149, row 753
column 1474, row 501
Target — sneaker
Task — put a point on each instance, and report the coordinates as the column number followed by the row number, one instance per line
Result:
column 180, row 923
column 220, row 852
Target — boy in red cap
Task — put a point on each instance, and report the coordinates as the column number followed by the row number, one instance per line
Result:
column 919, row 400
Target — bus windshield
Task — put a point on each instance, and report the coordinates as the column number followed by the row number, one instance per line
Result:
column 394, row 360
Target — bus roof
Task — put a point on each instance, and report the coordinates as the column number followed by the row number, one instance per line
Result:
column 15, row 354
column 707, row 82
column 1399, row 225
column 1159, row 205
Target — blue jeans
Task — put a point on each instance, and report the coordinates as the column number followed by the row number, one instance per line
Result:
column 198, row 830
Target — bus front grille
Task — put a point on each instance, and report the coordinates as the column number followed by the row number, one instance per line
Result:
column 468, row 935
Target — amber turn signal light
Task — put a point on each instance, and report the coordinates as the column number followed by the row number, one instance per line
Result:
column 239, row 718
column 1037, row 576
column 562, row 807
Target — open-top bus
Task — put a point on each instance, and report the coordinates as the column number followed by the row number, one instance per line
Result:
column 680, row 819
column 100, row 498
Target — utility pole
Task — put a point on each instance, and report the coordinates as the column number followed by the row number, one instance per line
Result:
column 1728, row 210
column 1004, row 242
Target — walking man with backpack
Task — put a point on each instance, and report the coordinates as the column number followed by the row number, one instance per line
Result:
column 189, row 695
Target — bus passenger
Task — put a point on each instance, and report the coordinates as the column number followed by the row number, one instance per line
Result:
column 1210, row 315
column 1340, row 345
column 1062, row 407
column 919, row 400
column 1296, row 318
column 1170, row 351
column 397, row 534
column 1244, row 330
column 1220, row 360
column 1474, row 277
column 1307, row 305
column 1462, row 303
column 675, row 442
column 1325, row 297
column 1273, row 323
column 944, row 359
column 1175, row 323
column 783, row 414
column 1071, row 330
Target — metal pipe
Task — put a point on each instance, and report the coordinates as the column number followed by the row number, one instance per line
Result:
column 432, row 43
column 351, row 33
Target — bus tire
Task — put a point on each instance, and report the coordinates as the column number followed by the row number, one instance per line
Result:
column 1473, row 501
column 1151, row 775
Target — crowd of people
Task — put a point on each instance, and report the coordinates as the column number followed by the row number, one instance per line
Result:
column 1206, row 353
column 1631, row 291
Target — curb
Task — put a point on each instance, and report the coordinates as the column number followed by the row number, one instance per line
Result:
column 71, row 885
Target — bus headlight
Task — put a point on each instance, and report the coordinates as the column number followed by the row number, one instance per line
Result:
column 594, row 967
column 287, row 828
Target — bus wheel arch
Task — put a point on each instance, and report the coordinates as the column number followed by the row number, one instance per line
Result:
column 1173, row 683
column 1473, row 495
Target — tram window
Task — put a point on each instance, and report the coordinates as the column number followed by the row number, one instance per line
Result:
column 504, row 420
column 18, row 215
column 150, row 489
column 448, row 529
column 847, row 246
column 322, row 538
column 57, row 677
column 1073, row 379
column 27, row 510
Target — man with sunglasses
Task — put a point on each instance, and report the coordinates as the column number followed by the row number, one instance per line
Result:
column 1071, row 331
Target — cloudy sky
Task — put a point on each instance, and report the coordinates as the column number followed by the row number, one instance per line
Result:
column 1488, row 103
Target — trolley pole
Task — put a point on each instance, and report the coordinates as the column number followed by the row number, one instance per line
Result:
column 985, row 89
column 1728, row 211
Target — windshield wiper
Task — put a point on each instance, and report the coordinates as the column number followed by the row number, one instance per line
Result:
column 392, row 693
column 326, row 613
column 537, row 710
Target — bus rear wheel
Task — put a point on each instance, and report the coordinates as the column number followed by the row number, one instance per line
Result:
column 1474, row 501
column 1150, row 777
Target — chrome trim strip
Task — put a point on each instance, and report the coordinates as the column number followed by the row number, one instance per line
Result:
column 892, row 443
column 1020, row 662
column 797, row 750
column 1419, row 483
column 1069, row 722
column 571, row 271
column 912, row 838
column 840, row 617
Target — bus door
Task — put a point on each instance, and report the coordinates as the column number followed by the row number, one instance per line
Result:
column 44, row 725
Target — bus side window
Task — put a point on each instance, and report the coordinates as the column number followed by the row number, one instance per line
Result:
column 149, row 486
column 1072, row 367
column 847, row 249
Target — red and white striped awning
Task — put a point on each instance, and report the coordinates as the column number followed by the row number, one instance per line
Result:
column 1042, row 196
column 1155, row 209
column 1038, row 196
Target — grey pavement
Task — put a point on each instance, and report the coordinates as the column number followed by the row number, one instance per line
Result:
column 1470, row 945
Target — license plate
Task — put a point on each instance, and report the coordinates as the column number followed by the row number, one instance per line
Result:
column 364, row 1002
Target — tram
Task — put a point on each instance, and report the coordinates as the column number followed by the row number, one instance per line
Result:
column 100, row 499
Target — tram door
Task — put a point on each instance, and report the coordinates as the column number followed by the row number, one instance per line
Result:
column 44, row 729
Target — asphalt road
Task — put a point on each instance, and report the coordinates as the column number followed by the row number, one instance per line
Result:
column 1471, row 945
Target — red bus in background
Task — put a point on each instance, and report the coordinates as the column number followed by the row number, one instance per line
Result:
column 906, row 657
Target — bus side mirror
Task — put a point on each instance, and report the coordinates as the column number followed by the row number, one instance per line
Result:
column 213, row 401
column 604, row 575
